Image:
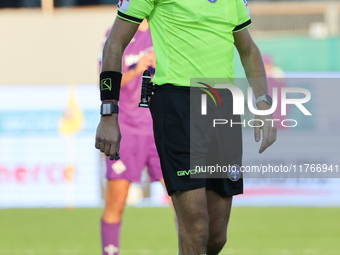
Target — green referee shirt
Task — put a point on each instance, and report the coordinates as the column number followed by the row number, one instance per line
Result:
column 191, row 38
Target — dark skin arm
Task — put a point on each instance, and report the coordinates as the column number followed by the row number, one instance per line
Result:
column 108, row 133
column 254, row 68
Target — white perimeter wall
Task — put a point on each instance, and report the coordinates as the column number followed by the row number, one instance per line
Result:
column 58, row 48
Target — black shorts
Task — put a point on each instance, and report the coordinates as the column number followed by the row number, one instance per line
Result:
column 186, row 139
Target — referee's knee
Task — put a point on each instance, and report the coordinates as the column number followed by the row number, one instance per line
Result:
column 215, row 245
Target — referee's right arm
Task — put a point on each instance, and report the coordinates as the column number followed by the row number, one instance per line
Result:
column 108, row 133
column 119, row 37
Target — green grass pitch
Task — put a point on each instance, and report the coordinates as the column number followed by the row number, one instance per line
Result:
column 151, row 231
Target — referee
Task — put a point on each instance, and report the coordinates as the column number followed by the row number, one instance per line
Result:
column 192, row 39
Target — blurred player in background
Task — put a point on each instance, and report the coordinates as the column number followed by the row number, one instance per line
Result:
column 272, row 70
column 137, row 148
column 192, row 39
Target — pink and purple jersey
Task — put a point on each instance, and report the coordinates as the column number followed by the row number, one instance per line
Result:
column 137, row 147
column 134, row 119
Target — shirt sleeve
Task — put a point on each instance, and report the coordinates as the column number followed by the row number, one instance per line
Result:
column 135, row 10
column 243, row 15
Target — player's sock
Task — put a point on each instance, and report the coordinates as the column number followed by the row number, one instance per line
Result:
column 110, row 238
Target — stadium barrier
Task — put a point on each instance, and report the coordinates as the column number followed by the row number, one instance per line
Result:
column 48, row 159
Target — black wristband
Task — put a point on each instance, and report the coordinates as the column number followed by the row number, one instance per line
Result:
column 110, row 85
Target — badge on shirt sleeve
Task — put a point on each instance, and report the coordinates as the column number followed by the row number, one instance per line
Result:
column 123, row 5
column 247, row 7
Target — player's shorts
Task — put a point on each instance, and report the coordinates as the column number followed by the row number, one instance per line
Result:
column 136, row 153
column 185, row 139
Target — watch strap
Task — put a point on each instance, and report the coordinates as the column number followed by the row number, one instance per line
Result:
column 115, row 108
column 264, row 98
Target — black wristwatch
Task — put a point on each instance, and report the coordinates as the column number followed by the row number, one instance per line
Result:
column 107, row 108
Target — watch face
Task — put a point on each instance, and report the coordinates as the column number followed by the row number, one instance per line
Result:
column 106, row 108
column 269, row 99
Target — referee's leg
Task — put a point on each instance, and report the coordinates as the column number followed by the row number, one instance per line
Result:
column 193, row 221
column 219, row 212
column 199, row 233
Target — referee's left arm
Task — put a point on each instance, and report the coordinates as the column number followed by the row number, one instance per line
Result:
column 255, row 71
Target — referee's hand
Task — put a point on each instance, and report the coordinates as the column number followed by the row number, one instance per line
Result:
column 268, row 129
column 108, row 135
